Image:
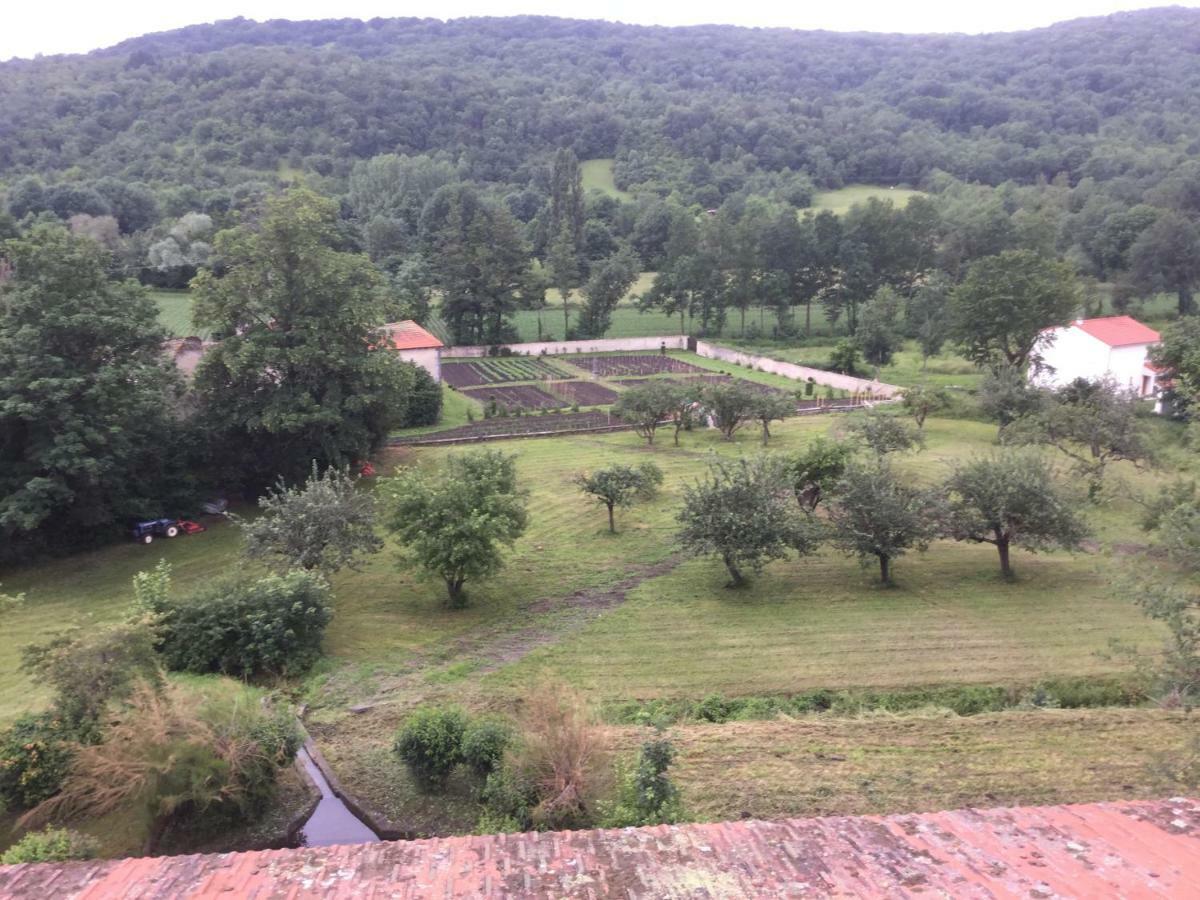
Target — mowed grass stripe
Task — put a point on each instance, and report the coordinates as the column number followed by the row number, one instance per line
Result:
column 818, row 766
column 822, row 622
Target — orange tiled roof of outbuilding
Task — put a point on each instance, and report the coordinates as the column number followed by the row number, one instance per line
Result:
column 1125, row 849
column 408, row 335
column 1118, row 331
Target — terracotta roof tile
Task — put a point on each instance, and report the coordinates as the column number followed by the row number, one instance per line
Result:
column 1135, row 849
column 408, row 335
column 1118, row 331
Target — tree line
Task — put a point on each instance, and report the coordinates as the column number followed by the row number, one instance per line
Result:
column 98, row 428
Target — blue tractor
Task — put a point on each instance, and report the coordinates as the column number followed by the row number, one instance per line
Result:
column 145, row 531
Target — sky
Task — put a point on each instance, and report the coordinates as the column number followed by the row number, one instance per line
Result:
column 76, row 26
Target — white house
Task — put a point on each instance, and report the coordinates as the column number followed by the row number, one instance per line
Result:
column 1114, row 348
column 413, row 343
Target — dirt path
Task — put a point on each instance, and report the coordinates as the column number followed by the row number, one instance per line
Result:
column 489, row 650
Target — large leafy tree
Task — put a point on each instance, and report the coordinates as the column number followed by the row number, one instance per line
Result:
column 874, row 514
column 478, row 260
column 324, row 525
column 649, row 405
column 743, row 513
column 1179, row 355
column 1093, row 423
column 609, row 281
column 1166, row 257
column 1010, row 499
column 999, row 310
column 301, row 374
column 87, row 437
column 455, row 522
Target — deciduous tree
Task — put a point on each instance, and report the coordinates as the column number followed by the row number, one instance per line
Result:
column 875, row 515
column 87, row 435
column 1010, row 499
column 999, row 310
column 772, row 407
column 882, row 433
column 620, row 485
column 742, row 513
column 647, row 406
column 609, row 281
column 922, row 400
column 454, row 522
column 1092, row 423
column 325, row 524
column 302, row 374
column 731, row 404
column 816, row 469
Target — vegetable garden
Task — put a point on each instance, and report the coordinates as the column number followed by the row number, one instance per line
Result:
column 633, row 364
column 514, row 397
column 498, row 371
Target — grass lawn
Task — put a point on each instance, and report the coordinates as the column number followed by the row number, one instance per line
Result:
column 175, row 313
column 842, row 199
column 597, row 175
column 621, row 618
column 947, row 369
column 887, row 764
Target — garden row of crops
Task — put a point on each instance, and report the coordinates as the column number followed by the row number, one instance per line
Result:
column 498, row 371
column 634, row 364
column 519, row 426
column 514, row 397
column 584, row 393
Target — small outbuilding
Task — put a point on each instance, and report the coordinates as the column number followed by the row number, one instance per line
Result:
column 416, row 345
column 1112, row 348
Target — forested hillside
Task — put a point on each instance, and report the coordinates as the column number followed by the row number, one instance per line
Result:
column 704, row 110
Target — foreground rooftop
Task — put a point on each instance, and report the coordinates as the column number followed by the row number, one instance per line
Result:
column 1128, row 849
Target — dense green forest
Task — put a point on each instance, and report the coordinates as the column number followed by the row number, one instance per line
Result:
column 1071, row 140
column 714, row 108
column 316, row 178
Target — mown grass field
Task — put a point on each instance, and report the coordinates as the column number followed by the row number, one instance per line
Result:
column 819, row 622
column 597, row 175
column 822, row 620
column 839, row 201
column 175, row 313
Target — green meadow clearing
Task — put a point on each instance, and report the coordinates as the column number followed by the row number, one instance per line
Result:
column 839, row 201
column 623, row 618
column 597, row 175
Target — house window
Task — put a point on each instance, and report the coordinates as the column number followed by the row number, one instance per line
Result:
column 1145, row 385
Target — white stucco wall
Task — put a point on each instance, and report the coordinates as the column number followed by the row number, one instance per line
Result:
column 799, row 373
column 1076, row 354
column 429, row 360
column 563, row 348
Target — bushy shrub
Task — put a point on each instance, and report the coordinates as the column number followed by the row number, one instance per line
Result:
column 646, row 795
column 269, row 626
column 431, row 743
column 714, row 708
column 50, row 845
column 508, row 798
column 424, row 400
column 89, row 668
column 483, row 745
column 562, row 755
column 177, row 756
column 35, row 754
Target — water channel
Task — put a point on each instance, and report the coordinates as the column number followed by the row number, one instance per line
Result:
column 331, row 822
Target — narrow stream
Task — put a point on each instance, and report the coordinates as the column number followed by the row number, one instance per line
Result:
column 332, row 822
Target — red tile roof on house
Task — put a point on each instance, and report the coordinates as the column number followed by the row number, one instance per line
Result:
column 1133, row 849
column 408, row 335
column 1118, row 331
